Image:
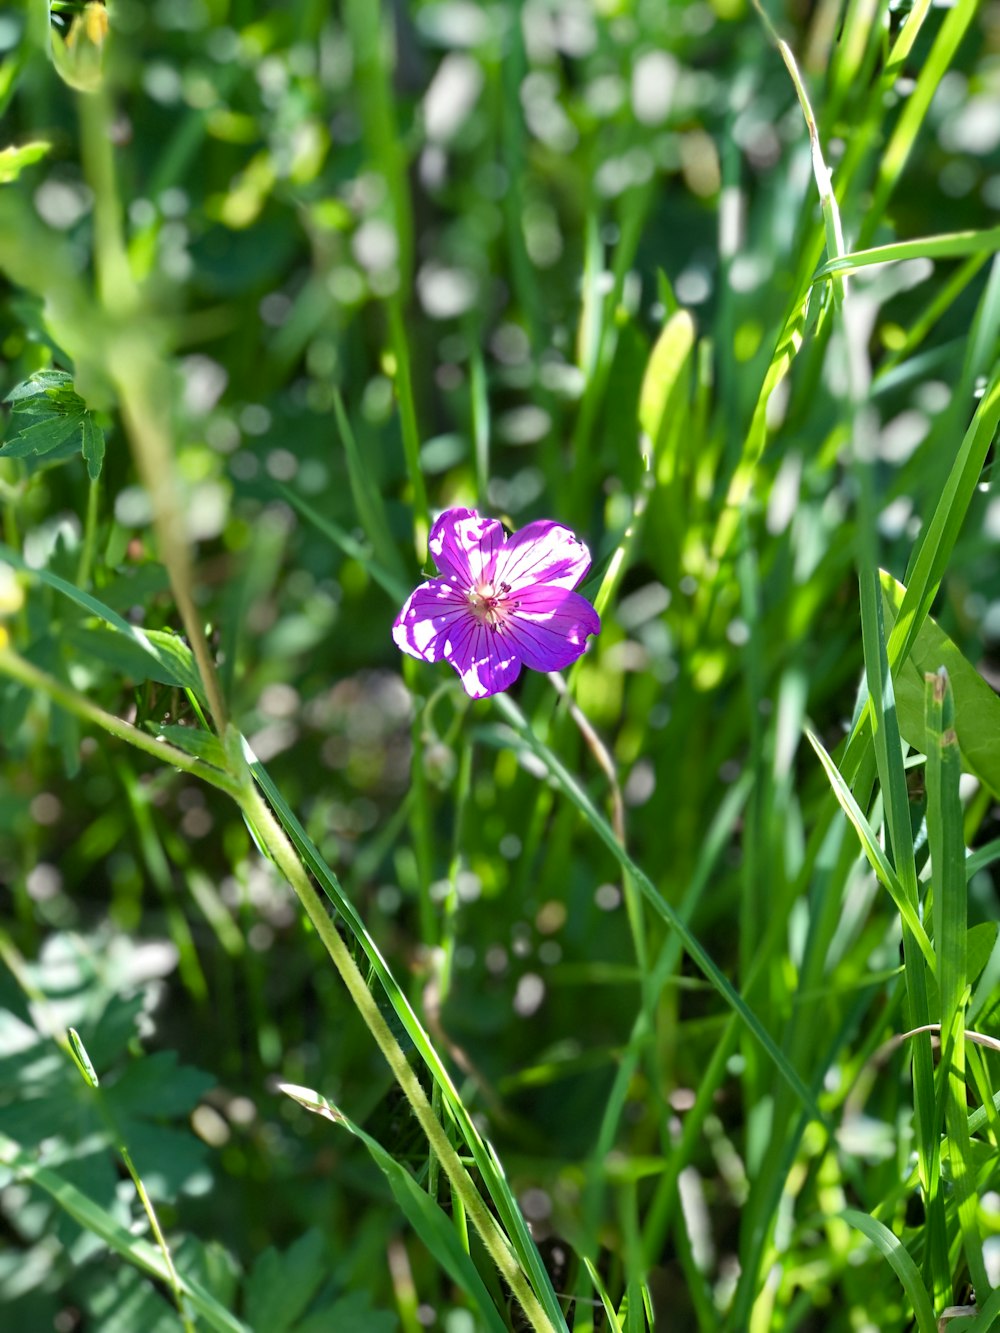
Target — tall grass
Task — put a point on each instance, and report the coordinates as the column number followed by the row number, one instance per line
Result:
column 663, row 992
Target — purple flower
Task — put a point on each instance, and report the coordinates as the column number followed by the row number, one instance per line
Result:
column 500, row 601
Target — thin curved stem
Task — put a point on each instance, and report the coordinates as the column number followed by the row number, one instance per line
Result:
column 18, row 668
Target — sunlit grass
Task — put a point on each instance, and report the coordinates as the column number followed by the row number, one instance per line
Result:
column 641, row 954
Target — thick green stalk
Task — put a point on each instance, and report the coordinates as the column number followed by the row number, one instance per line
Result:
column 274, row 840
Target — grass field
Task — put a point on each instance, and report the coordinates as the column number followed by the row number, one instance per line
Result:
column 658, row 992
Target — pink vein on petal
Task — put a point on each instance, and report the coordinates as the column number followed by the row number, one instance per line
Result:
column 427, row 619
column 542, row 552
column 464, row 545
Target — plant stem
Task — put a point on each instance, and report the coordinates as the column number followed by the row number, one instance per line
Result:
column 143, row 385
column 273, row 838
column 89, row 536
column 19, row 669
column 161, row 1240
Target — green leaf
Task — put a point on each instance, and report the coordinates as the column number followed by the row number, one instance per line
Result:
column 99, row 1222
column 873, row 849
column 423, row 1213
column 350, row 1314
column 54, row 422
column 93, row 447
column 39, row 387
column 171, row 663
column 123, row 1301
column 14, row 159
column 192, row 740
column 901, row 1262
column 950, row 246
column 664, row 369
column 169, row 653
column 43, row 436
column 609, row 1309
column 43, row 1097
column 977, row 707
column 281, row 1285
column 979, row 944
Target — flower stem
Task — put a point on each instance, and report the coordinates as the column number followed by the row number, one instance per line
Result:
column 273, row 838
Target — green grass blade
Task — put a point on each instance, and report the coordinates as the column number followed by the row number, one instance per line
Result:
column 422, row 1212
column 904, row 136
column 614, row 1323
column 389, row 582
column 367, row 497
column 947, row 844
column 695, row 950
column 953, row 245
column 901, row 1262
column 931, row 557
column 873, row 850
column 977, row 707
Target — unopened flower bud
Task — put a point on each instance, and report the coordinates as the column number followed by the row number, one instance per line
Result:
column 79, row 57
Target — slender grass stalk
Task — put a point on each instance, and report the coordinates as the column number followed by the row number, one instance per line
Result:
column 26, row 673
column 944, row 826
column 408, row 417
column 139, row 376
column 161, row 1239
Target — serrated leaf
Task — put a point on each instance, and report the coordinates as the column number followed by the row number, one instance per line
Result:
column 210, row 1266
column 44, row 435
column 93, row 447
column 97, row 1220
column 157, row 1085
column 126, row 1300
column 14, row 159
column 39, row 385
column 977, row 707
column 281, row 1285
column 44, row 1099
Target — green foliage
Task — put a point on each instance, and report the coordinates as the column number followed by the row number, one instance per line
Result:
column 720, row 291
column 50, row 423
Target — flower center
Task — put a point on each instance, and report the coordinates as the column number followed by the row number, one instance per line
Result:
column 490, row 605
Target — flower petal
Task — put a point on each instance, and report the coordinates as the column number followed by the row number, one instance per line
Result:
column 464, row 545
column 486, row 660
column 432, row 616
column 437, row 622
column 542, row 552
column 550, row 626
